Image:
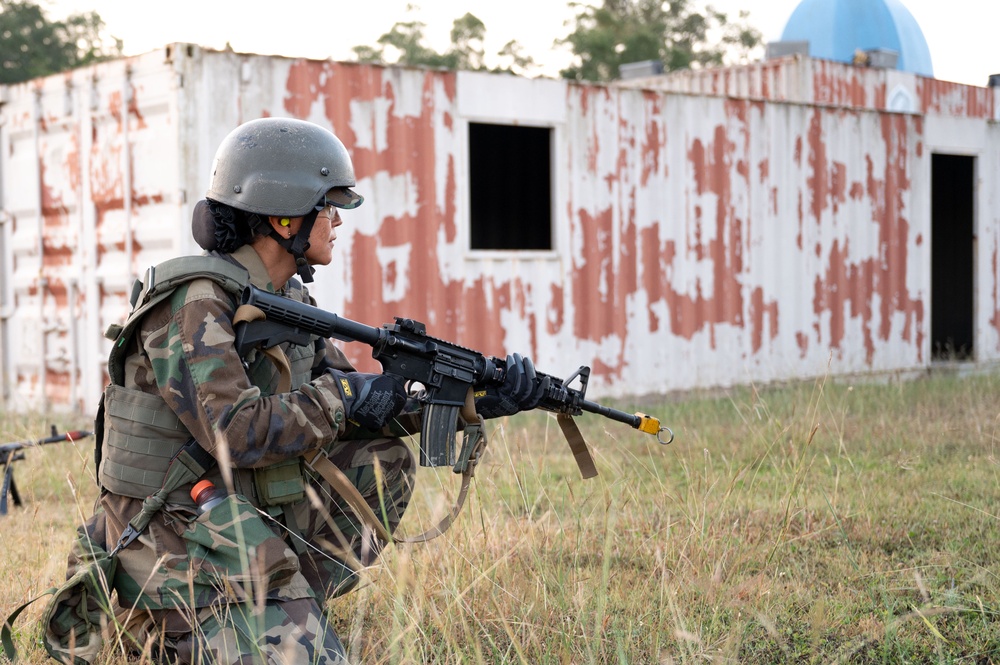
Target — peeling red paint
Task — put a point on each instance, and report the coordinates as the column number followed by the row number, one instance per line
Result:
column 691, row 313
column 116, row 107
column 818, row 184
column 594, row 275
column 653, row 260
column 802, row 340
column 800, row 217
column 653, row 145
column 764, row 169
column 555, row 311
column 759, row 310
column 57, row 387
column 880, row 96
column 57, row 253
column 884, row 276
column 833, row 85
column 955, row 99
column 838, row 185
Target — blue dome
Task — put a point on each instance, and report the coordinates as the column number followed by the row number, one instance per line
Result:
column 835, row 29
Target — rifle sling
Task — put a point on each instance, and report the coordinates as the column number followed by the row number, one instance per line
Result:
column 577, row 445
column 321, row 464
column 247, row 313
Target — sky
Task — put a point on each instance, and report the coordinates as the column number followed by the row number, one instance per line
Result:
column 961, row 34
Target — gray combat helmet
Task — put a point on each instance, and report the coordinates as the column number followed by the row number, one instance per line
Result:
column 282, row 167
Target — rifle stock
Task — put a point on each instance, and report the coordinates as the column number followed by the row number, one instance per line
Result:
column 445, row 370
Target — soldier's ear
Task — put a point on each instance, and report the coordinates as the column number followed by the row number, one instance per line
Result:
column 284, row 226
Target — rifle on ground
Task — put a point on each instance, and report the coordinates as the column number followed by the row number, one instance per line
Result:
column 445, row 370
column 12, row 452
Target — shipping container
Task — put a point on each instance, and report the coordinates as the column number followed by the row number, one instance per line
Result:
column 783, row 220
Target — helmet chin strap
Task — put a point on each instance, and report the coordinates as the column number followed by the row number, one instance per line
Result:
column 298, row 244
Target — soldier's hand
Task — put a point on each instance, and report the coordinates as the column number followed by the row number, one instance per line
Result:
column 370, row 400
column 521, row 390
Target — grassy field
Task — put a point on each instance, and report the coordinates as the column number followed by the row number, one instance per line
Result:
column 819, row 523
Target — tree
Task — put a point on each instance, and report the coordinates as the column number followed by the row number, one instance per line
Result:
column 623, row 31
column 406, row 40
column 31, row 45
column 467, row 34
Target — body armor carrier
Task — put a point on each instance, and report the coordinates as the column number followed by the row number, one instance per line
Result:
column 138, row 434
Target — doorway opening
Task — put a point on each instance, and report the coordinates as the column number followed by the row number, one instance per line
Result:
column 952, row 257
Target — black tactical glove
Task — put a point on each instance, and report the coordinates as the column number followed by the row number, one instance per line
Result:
column 370, row 400
column 521, row 390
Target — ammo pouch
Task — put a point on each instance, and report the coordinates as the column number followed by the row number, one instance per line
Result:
column 280, row 483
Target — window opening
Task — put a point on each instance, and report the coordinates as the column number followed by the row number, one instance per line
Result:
column 510, row 187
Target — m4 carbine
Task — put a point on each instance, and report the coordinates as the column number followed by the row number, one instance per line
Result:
column 445, row 370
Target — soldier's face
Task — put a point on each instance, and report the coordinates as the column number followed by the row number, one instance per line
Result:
column 324, row 233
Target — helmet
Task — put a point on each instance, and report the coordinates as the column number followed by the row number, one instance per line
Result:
column 281, row 167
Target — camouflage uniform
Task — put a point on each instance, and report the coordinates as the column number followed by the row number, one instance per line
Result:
column 191, row 589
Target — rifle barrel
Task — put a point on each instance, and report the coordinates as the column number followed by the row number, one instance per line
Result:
column 309, row 318
column 638, row 420
column 73, row 435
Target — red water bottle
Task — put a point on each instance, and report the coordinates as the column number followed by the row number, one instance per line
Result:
column 207, row 495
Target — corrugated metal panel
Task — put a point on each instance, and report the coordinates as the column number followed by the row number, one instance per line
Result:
column 811, row 81
column 89, row 163
column 699, row 240
column 768, row 238
column 987, row 274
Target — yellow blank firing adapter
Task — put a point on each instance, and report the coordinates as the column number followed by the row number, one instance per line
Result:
column 651, row 425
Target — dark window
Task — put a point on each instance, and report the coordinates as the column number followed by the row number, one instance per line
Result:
column 510, row 187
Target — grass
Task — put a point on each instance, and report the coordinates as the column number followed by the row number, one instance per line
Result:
column 822, row 522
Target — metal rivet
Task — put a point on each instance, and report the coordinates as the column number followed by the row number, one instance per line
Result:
column 237, row 189
column 324, row 171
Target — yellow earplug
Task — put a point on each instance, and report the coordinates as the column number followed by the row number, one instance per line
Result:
column 284, row 221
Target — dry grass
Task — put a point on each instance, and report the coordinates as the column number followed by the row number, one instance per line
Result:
column 815, row 523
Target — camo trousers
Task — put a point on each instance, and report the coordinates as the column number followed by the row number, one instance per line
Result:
column 280, row 633
column 364, row 462
column 297, row 631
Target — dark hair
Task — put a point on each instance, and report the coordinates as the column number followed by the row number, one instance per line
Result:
column 233, row 228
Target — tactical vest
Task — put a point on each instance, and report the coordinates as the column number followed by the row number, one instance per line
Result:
column 141, row 434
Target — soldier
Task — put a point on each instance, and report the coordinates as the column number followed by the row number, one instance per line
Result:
column 249, row 580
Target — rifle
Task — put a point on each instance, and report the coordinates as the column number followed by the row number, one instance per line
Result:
column 12, row 452
column 445, row 370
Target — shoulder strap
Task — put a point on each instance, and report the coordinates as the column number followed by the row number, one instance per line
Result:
column 6, row 636
column 158, row 283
